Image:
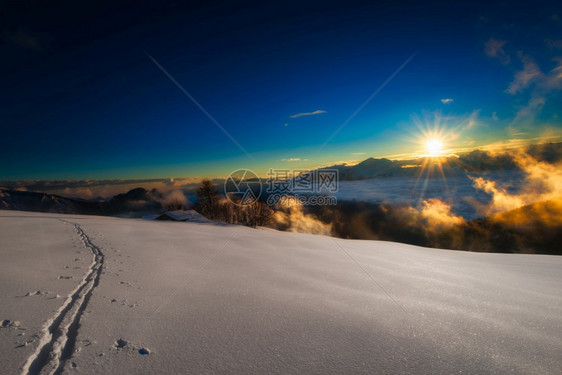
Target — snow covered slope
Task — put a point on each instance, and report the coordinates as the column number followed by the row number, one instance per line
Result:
column 127, row 296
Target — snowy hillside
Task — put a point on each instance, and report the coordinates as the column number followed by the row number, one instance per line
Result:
column 92, row 295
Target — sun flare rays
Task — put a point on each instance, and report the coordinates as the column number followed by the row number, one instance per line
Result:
column 434, row 140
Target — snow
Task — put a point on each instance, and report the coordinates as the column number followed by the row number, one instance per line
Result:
column 198, row 298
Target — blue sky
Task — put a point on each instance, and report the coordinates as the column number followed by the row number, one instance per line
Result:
column 81, row 98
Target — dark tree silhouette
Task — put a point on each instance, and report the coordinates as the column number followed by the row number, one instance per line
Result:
column 229, row 211
column 207, row 200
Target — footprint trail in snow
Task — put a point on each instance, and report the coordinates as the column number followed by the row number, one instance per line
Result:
column 59, row 332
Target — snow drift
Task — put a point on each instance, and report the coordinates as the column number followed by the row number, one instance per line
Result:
column 196, row 298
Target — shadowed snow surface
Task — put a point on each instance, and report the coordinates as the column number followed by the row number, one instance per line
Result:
column 195, row 298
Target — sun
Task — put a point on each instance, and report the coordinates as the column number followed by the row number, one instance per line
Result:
column 434, row 146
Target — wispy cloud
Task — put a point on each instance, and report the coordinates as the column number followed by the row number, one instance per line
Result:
column 494, row 48
column 446, row 100
column 291, row 159
column 302, row 114
column 358, row 153
column 543, row 84
column 534, row 106
column 524, row 78
column 553, row 80
column 518, row 134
